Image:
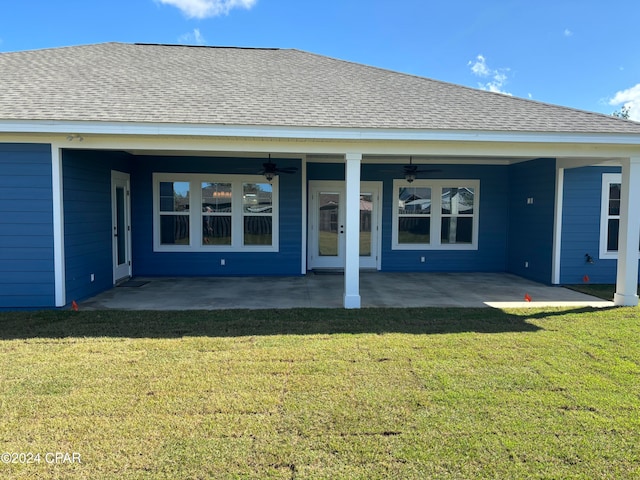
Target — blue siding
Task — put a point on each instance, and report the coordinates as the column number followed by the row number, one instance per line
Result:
column 492, row 235
column 287, row 261
column 27, row 278
column 87, row 219
column 581, row 227
column 531, row 226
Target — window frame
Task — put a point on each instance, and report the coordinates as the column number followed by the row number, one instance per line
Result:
column 436, row 215
column 607, row 180
column 196, row 215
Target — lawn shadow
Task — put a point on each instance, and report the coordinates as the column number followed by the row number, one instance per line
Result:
column 237, row 323
column 535, row 314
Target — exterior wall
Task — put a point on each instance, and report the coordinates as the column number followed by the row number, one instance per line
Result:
column 530, row 252
column 286, row 261
column 26, row 227
column 581, row 227
column 87, row 219
column 492, row 240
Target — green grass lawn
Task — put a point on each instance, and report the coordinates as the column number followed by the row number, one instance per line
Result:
column 370, row 394
column 603, row 291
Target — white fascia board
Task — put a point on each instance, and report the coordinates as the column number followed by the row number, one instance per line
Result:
column 311, row 133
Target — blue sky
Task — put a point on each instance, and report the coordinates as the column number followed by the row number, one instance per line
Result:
column 583, row 54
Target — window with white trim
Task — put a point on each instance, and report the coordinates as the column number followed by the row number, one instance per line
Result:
column 202, row 212
column 610, row 215
column 435, row 214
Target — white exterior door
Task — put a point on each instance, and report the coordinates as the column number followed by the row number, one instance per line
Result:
column 121, row 225
column 327, row 225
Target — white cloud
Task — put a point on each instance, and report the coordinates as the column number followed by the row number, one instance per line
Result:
column 479, row 67
column 568, row 33
column 629, row 98
column 208, row 8
column 194, row 37
column 498, row 77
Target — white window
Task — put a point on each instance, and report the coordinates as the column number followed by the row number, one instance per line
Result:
column 610, row 215
column 435, row 214
column 201, row 212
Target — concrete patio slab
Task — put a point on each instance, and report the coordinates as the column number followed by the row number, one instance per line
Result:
column 377, row 289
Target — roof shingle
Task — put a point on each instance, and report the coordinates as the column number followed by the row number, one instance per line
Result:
column 116, row 82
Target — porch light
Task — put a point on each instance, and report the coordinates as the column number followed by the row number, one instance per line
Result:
column 269, row 175
column 410, row 177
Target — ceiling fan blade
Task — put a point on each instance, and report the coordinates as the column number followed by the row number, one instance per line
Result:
column 287, row 170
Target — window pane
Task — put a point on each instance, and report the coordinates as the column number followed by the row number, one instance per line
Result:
column 174, row 229
column 216, row 197
column 458, row 200
column 614, row 191
column 614, row 199
column 174, row 196
column 121, row 227
column 328, row 214
column 257, row 198
column 414, row 230
column 366, row 206
column 612, row 234
column 257, row 230
column 216, row 230
column 414, row 200
column 457, row 230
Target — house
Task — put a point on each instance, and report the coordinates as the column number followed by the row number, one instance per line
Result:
column 159, row 160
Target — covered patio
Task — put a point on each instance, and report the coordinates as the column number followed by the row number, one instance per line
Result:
column 325, row 290
column 259, row 165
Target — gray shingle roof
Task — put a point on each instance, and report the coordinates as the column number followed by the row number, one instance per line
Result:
column 117, row 82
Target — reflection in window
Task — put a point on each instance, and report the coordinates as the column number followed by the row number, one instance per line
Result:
column 216, row 197
column 210, row 212
column 257, row 198
column 174, row 213
column 436, row 214
column 613, row 222
column 414, row 215
column 174, row 196
column 457, row 215
column 414, row 201
column 414, row 230
column 257, row 210
column 174, row 229
column 328, row 214
column 613, row 217
column 216, row 213
column 366, row 211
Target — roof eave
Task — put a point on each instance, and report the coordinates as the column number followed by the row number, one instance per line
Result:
column 313, row 133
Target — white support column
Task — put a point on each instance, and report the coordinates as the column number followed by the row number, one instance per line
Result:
column 305, row 217
column 629, row 236
column 58, row 226
column 352, row 231
column 557, row 227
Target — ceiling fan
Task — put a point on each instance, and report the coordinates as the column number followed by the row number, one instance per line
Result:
column 411, row 170
column 270, row 170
